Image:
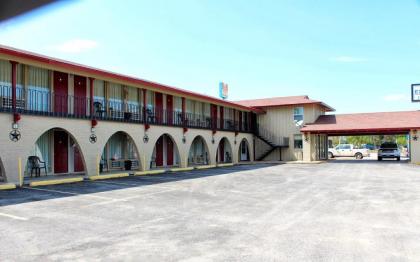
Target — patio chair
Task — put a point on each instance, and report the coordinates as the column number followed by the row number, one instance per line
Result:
column 99, row 109
column 151, row 118
column 35, row 164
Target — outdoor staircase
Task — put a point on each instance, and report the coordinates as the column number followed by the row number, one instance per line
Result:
column 273, row 141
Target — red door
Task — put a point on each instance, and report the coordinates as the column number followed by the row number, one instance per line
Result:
column 61, row 152
column 159, row 107
column 60, row 92
column 169, row 151
column 169, row 108
column 77, row 157
column 213, row 115
column 80, row 95
column 240, row 121
column 222, row 115
column 159, row 152
column 222, row 151
column 78, row 163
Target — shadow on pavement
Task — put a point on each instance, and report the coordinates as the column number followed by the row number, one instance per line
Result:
column 28, row 194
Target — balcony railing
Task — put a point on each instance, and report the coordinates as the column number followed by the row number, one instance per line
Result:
column 42, row 102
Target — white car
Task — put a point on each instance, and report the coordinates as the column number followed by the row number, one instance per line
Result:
column 347, row 150
column 389, row 150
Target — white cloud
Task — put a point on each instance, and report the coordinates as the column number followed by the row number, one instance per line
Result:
column 396, row 97
column 75, row 46
column 348, row 59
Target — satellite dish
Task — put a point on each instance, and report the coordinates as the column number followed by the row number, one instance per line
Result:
column 299, row 123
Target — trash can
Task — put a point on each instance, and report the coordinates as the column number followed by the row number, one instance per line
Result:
column 127, row 164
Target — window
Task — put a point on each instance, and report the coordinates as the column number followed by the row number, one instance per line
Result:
column 298, row 141
column 298, row 114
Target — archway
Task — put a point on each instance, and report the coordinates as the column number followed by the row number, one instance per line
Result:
column 243, row 152
column 55, row 152
column 199, row 152
column 119, row 153
column 165, row 153
column 224, row 151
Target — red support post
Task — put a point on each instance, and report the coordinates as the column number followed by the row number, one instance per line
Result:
column 91, row 80
column 144, row 105
column 183, row 110
column 234, row 119
column 14, row 80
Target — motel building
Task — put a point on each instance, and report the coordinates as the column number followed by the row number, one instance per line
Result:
column 68, row 122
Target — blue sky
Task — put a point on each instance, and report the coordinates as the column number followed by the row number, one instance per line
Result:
column 357, row 56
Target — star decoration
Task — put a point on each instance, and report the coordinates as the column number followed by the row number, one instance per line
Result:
column 14, row 135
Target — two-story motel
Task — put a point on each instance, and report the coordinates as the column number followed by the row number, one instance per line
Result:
column 61, row 119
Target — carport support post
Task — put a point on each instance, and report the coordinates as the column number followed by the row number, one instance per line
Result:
column 308, row 147
column 415, row 147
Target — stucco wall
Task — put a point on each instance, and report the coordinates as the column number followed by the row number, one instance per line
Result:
column 279, row 121
column 415, row 146
column 32, row 127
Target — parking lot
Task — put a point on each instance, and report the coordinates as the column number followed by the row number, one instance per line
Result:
column 335, row 211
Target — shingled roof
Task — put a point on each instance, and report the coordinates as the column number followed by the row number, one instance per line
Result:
column 365, row 123
column 282, row 101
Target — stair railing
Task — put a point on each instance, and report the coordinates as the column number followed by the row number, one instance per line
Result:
column 272, row 138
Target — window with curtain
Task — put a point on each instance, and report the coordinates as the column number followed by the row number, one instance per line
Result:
column 98, row 90
column 189, row 106
column 298, row 144
column 38, row 89
column 298, row 114
column 133, row 103
column 5, row 73
column 150, row 99
column 115, row 97
column 177, row 103
column 42, row 149
column 117, row 144
column 206, row 109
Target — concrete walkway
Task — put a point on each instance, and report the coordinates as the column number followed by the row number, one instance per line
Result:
column 337, row 211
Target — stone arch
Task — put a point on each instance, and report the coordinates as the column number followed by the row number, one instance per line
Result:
column 244, row 153
column 165, row 152
column 120, row 152
column 198, row 153
column 59, row 151
column 224, row 151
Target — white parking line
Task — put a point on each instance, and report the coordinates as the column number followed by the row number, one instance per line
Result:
column 129, row 184
column 69, row 193
column 13, row 217
column 127, row 198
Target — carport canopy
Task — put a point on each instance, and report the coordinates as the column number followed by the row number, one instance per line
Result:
column 365, row 123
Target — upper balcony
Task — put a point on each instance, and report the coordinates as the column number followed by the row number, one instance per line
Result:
column 47, row 103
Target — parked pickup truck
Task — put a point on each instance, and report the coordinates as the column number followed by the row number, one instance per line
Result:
column 347, row 150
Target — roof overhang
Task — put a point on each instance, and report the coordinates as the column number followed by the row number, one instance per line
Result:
column 362, row 132
column 365, row 123
column 67, row 66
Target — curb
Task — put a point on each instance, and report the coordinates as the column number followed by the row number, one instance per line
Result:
column 56, row 182
column 7, row 186
column 150, row 172
column 181, row 169
column 205, row 167
column 110, row 176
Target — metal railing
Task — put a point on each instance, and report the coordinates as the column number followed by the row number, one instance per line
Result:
column 41, row 102
column 272, row 138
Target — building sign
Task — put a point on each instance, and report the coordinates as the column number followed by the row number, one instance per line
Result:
column 223, row 90
column 415, row 92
